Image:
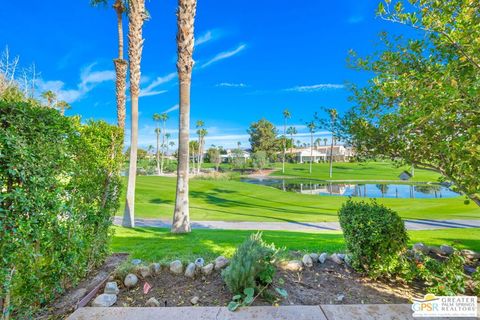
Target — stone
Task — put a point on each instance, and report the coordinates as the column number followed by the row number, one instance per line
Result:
column 446, row 249
column 152, row 302
column 469, row 254
column 336, row 258
column 111, row 288
column 341, row 256
column 340, row 298
column 156, row 268
column 130, row 280
column 104, row 300
column 190, row 270
column 323, row 257
column 348, row 260
column 207, row 269
column 434, row 249
column 469, row 270
column 294, row 265
column 194, row 300
column 420, row 247
column 314, row 256
column 199, row 263
column 221, row 262
column 176, row 267
column 307, row 261
column 136, row 262
column 144, row 271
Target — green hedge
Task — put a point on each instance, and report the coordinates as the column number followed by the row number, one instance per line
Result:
column 60, row 183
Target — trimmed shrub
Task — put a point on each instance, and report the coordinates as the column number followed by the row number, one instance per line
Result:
column 375, row 237
column 60, row 186
column 252, row 265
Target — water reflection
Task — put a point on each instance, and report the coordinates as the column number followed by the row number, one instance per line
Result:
column 366, row 190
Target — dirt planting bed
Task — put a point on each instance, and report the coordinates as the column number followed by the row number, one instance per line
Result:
column 327, row 283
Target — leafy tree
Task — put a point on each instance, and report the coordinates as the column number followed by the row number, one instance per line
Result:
column 213, row 154
column 238, row 160
column 259, row 160
column 422, row 105
column 136, row 16
column 263, row 137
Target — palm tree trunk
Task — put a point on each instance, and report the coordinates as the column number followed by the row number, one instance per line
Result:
column 136, row 16
column 163, row 147
column 284, row 143
column 158, row 152
column 331, row 158
column 311, row 152
column 120, row 69
column 181, row 216
column 185, row 44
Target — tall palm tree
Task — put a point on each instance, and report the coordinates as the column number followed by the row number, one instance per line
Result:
column 185, row 43
column 201, row 133
column 333, row 119
column 291, row 131
column 136, row 16
column 286, row 115
column 325, row 141
column 50, row 96
column 62, row 106
column 311, row 128
column 164, row 118
column 120, row 63
column 318, row 141
column 156, row 118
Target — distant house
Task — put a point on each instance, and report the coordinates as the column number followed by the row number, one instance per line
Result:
column 340, row 153
column 230, row 154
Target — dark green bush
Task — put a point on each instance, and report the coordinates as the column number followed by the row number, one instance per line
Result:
column 60, row 185
column 252, row 265
column 375, row 237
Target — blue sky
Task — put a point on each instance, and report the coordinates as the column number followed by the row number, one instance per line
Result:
column 253, row 59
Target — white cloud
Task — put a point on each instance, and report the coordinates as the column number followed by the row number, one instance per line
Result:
column 173, row 108
column 144, row 93
column 149, row 90
column 231, row 85
column 224, row 55
column 316, row 87
column 88, row 80
column 207, row 36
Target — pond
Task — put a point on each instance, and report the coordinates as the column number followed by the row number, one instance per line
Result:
column 367, row 190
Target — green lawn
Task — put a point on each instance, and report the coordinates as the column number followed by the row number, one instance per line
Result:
column 238, row 201
column 353, row 171
column 155, row 244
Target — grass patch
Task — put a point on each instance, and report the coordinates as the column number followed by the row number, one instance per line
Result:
column 354, row 171
column 157, row 244
column 238, row 201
